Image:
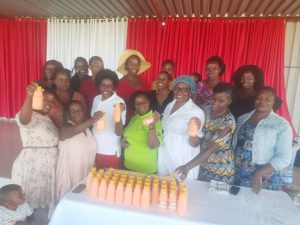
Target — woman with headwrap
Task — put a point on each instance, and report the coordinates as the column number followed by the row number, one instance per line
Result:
column 178, row 146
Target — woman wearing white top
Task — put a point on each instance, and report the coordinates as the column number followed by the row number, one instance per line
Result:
column 108, row 140
column 178, row 147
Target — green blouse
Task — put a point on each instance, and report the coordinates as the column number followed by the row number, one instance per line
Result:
column 138, row 156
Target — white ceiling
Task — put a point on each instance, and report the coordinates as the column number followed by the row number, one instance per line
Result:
column 158, row 8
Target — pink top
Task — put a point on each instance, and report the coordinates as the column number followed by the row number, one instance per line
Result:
column 204, row 94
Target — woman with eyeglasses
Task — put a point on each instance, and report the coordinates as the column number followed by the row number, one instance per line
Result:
column 179, row 145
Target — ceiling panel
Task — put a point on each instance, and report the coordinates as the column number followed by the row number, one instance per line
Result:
column 142, row 8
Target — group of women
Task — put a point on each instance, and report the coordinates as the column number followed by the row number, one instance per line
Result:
column 205, row 130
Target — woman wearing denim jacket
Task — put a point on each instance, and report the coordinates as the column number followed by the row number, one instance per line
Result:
column 263, row 144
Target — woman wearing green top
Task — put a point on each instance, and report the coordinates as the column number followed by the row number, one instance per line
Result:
column 141, row 139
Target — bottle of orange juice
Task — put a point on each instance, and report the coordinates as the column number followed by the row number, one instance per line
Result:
column 37, row 99
column 89, row 180
column 120, row 192
column 172, row 199
column 117, row 113
column 147, row 121
column 155, row 192
column 182, row 201
column 100, row 124
column 136, row 199
column 111, row 191
column 193, row 128
column 94, row 187
column 163, row 198
column 128, row 194
column 145, row 198
column 102, row 189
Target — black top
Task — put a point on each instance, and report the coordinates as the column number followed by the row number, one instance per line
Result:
column 242, row 106
column 155, row 106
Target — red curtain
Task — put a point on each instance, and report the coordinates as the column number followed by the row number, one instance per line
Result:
column 191, row 41
column 22, row 56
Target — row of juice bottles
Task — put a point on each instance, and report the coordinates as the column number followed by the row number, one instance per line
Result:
column 139, row 190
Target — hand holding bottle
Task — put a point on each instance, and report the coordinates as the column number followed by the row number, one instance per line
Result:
column 182, row 171
column 194, row 126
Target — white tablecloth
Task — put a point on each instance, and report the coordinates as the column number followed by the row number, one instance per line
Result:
column 247, row 208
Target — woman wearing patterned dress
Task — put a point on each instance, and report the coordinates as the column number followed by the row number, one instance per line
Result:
column 263, row 144
column 216, row 158
column 34, row 168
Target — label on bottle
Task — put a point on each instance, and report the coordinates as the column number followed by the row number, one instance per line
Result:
column 172, row 205
column 162, row 205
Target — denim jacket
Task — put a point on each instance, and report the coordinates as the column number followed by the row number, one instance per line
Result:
column 272, row 140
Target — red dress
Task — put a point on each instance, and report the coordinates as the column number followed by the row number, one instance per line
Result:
column 89, row 90
column 125, row 90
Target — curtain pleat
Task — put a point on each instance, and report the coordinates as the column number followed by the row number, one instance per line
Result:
column 22, row 56
column 70, row 38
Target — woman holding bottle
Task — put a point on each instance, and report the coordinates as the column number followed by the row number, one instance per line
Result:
column 108, row 131
column 34, row 168
column 216, row 158
column 179, row 146
column 77, row 148
column 142, row 136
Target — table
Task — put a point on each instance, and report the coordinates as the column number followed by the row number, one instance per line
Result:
column 247, row 208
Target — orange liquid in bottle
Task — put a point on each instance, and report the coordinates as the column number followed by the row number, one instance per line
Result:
column 37, row 99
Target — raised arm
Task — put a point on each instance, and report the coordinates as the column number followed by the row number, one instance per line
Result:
column 70, row 130
column 26, row 110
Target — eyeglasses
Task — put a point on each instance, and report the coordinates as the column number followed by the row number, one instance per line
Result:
column 182, row 89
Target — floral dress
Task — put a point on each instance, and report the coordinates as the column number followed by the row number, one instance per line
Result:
column 243, row 162
column 204, row 96
column 34, row 168
column 220, row 165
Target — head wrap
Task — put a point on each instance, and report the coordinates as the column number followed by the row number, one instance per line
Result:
column 186, row 80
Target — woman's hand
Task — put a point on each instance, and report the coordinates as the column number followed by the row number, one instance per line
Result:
column 156, row 117
column 31, row 88
column 123, row 107
column 256, row 182
column 182, row 171
column 124, row 143
column 196, row 121
column 97, row 116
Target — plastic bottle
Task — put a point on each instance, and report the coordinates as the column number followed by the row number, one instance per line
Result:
column 100, row 124
column 102, row 189
column 193, row 128
column 94, row 187
column 128, row 194
column 172, row 199
column 37, row 99
column 117, row 113
column 120, row 192
column 136, row 199
column 182, row 201
column 145, row 198
column 155, row 193
column 147, row 121
column 111, row 191
column 163, row 198
column 287, row 176
column 89, row 180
